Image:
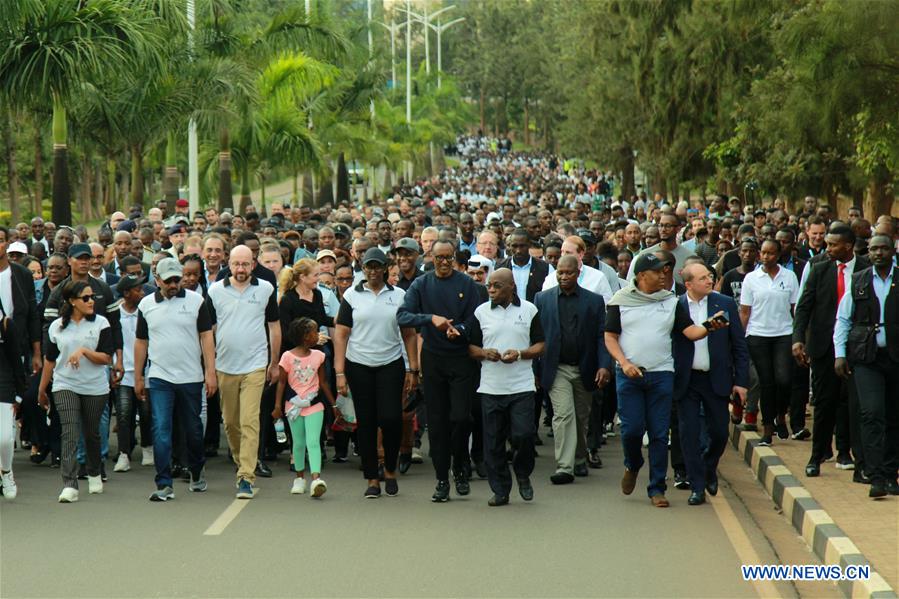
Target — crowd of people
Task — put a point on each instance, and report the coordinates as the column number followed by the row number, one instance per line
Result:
column 511, row 294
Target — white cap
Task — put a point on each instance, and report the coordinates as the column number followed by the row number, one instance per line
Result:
column 17, row 247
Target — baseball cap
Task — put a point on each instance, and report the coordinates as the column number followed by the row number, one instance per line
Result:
column 407, row 243
column 168, row 268
column 759, row 212
column 182, row 203
column 80, row 249
column 342, row 229
column 374, row 255
column 17, row 247
column 177, row 228
column 127, row 225
column 129, row 282
column 648, row 262
column 587, row 236
column 325, row 254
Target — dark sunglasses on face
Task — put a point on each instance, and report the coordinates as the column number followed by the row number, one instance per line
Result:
column 86, row 298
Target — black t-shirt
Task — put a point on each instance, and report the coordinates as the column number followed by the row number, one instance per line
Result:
column 732, row 284
column 292, row 307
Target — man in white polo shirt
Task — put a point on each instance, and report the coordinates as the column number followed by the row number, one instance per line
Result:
column 241, row 307
column 589, row 278
column 505, row 335
column 173, row 330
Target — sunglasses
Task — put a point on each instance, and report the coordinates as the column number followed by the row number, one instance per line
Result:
column 86, row 298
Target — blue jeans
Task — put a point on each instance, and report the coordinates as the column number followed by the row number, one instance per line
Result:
column 165, row 397
column 81, row 455
column 644, row 405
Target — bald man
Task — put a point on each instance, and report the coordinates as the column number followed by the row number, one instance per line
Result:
column 505, row 336
column 242, row 308
column 121, row 243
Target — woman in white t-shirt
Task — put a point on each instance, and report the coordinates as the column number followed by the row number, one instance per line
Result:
column 77, row 351
column 767, row 298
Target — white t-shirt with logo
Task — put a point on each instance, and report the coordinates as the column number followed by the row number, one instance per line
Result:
column 88, row 378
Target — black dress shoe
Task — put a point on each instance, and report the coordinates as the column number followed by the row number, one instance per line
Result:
column 712, row 487
column 177, row 469
column 680, row 480
column 878, row 489
column 581, row 470
column 813, row 469
column 892, row 487
column 859, row 477
column 696, row 498
column 40, row 456
column 263, row 470
column 481, row 469
column 561, row 478
column 405, row 462
column 441, row 492
column 593, row 459
column 496, row 500
column 782, row 433
column 525, row 489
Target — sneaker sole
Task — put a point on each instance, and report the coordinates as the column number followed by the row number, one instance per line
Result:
column 202, row 489
column 372, row 496
column 244, row 495
column 65, row 500
column 845, row 466
column 293, row 492
column 95, row 491
column 439, row 499
column 319, row 491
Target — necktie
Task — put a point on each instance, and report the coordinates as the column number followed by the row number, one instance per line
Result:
column 841, row 283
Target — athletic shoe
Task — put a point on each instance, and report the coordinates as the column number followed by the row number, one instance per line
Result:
column 801, row 435
column 68, row 495
column 782, row 432
column 391, row 487
column 10, row 490
column 123, row 464
column 462, row 485
column 416, row 456
column 844, row 462
column 765, row 441
column 146, row 456
column 198, row 484
column 372, row 493
column 244, row 489
column 103, row 475
column 441, row 492
column 94, row 485
column 163, row 494
column 318, row 488
column 299, row 486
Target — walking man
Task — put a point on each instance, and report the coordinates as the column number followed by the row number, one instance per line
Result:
column 241, row 307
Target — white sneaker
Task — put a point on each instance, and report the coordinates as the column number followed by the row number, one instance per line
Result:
column 69, row 495
column 299, row 486
column 10, row 490
column 94, row 485
column 123, row 464
column 318, row 488
column 147, row 456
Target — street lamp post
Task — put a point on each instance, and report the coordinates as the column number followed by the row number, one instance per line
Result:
column 193, row 175
column 440, row 28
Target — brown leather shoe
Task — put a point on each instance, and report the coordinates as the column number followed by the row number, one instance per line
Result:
column 628, row 481
column 659, row 501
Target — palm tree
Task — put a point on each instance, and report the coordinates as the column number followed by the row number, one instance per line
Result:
column 48, row 48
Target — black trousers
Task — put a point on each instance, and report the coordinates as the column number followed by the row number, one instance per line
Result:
column 378, row 399
column 213, row 435
column 773, row 361
column 831, row 409
column 798, row 397
column 508, row 418
column 701, row 402
column 449, row 387
column 878, row 397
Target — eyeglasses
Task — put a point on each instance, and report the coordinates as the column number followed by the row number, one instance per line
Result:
column 246, row 265
column 86, row 298
column 439, row 258
column 667, row 226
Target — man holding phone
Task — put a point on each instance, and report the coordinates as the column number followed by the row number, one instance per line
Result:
column 641, row 318
column 707, row 372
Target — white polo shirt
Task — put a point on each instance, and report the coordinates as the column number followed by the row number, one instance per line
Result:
column 128, row 322
column 644, row 332
column 240, row 319
column 172, row 327
column 517, row 326
column 771, row 301
column 375, row 339
column 590, row 279
column 88, row 378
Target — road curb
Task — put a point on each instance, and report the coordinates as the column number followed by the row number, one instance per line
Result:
column 823, row 536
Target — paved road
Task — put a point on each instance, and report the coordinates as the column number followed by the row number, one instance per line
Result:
column 580, row 540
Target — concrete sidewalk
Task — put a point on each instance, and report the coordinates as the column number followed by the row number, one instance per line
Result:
column 834, row 515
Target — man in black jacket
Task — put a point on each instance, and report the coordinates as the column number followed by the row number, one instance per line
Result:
column 827, row 281
column 18, row 309
column 529, row 273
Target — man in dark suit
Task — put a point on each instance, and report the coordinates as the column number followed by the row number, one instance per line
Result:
column 827, row 279
column 121, row 243
column 575, row 362
column 786, row 237
column 529, row 273
column 22, row 330
column 707, row 372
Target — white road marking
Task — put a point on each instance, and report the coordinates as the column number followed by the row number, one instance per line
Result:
column 227, row 517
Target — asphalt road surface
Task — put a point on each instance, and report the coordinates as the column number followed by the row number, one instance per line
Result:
column 580, row 540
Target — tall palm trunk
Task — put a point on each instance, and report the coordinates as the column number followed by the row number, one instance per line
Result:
column 38, row 170
column 343, row 179
column 110, row 199
column 170, row 176
column 137, row 176
column 12, row 173
column 244, row 188
column 308, row 186
column 226, row 194
column 86, row 204
column 62, row 207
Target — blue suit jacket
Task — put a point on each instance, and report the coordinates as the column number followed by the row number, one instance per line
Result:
column 727, row 351
column 591, row 343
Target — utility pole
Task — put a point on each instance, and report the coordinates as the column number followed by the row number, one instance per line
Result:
column 440, row 28
column 193, row 175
